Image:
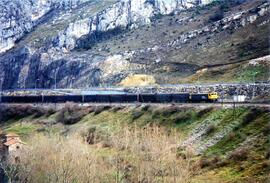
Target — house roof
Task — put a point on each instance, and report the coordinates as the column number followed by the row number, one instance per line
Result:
column 12, row 142
column 12, row 135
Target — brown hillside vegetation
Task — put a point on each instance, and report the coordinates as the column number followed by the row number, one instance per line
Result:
column 140, row 143
column 138, row 155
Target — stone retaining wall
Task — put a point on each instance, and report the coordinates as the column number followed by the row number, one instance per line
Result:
column 251, row 90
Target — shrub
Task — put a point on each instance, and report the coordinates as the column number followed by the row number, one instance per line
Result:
column 267, row 155
column 167, row 111
column 205, row 111
column 21, row 111
column 137, row 155
column 70, row 114
column 164, row 111
column 232, row 136
column 117, row 108
column 100, row 109
column 240, row 154
column 90, row 109
column 50, row 111
column 266, row 130
column 251, row 116
column 155, row 112
column 94, row 135
column 136, row 114
column 182, row 117
column 38, row 112
column 145, row 107
column 209, row 162
column 210, row 129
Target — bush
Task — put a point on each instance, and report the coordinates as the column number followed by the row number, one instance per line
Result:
column 50, row 111
column 183, row 117
column 266, row 130
column 232, row 136
column 155, row 113
column 164, row 111
column 210, row 129
column 267, row 155
column 251, row 116
column 240, row 154
column 70, row 114
column 21, row 111
column 209, row 162
column 136, row 114
column 167, row 111
column 94, row 135
column 136, row 155
column 100, row 109
column 38, row 112
column 117, row 108
column 145, row 107
column 203, row 112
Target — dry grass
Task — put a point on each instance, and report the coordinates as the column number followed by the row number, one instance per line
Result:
column 138, row 80
column 155, row 154
column 131, row 155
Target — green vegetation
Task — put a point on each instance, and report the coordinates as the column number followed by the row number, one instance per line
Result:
column 126, row 139
column 22, row 129
column 239, row 72
column 254, row 73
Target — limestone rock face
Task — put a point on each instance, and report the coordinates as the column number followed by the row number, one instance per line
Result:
column 85, row 43
column 124, row 14
column 18, row 17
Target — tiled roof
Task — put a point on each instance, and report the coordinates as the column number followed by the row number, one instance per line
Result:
column 12, row 141
column 12, row 135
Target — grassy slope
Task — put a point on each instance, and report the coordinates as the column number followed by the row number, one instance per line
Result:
column 239, row 72
column 249, row 129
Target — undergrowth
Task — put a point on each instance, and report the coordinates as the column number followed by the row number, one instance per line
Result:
column 127, row 134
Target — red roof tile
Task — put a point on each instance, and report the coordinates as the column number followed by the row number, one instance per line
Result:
column 11, row 142
column 12, row 135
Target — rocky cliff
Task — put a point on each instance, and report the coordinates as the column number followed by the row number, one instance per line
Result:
column 18, row 17
column 126, row 14
column 82, row 43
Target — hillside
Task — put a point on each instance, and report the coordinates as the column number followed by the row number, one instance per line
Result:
column 91, row 43
column 140, row 143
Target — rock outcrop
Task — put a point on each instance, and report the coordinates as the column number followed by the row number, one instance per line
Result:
column 78, row 43
column 126, row 14
column 18, row 17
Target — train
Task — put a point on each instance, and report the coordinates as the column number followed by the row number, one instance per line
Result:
column 115, row 98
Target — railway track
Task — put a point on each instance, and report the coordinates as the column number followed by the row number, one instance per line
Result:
column 127, row 99
column 135, row 104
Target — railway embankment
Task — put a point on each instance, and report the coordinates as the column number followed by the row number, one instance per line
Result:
column 250, row 90
column 208, row 142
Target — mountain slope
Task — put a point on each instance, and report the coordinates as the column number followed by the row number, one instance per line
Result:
column 103, row 42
